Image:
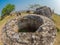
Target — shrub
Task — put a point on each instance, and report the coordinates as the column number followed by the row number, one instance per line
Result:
column 7, row 10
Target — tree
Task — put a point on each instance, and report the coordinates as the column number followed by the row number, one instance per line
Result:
column 7, row 9
column 34, row 6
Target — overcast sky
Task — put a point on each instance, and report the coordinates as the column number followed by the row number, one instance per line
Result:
column 23, row 4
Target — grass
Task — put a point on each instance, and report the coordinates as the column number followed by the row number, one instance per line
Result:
column 56, row 19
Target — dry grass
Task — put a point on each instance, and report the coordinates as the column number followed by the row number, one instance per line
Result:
column 57, row 22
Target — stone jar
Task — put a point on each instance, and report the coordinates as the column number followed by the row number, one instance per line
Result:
column 39, row 30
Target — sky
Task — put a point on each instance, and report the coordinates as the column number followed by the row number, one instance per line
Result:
column 24, row 4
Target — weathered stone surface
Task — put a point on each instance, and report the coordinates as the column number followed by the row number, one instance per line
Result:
column 45, row 11
column 44, row 33
column 15, row 13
